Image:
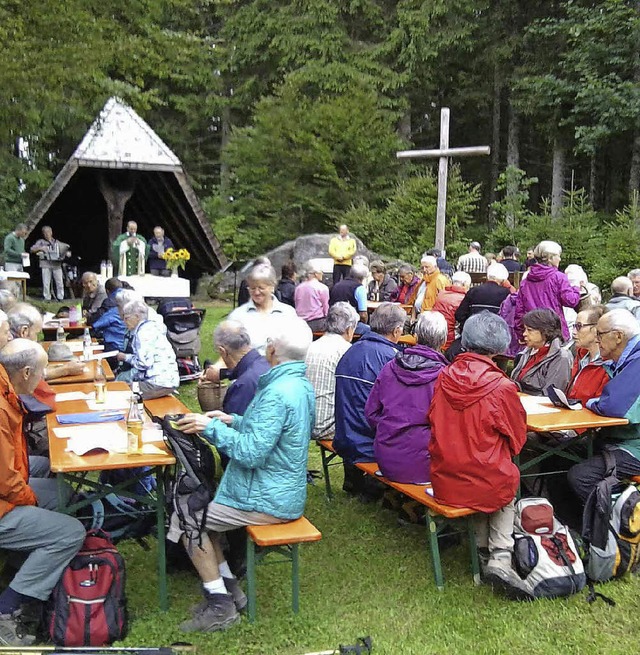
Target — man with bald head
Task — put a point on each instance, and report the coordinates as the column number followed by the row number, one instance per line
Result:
column 93, row 295
column 622, row 296
column 618, row 334
column 129, row 251
column 27, row 525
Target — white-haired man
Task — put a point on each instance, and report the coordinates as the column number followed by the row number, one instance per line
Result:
column 152, row 360
column 423, row 297
column 266, row 478
column 27, row 524
column 634, row 276
column 323, row 357
column 487, row 296
column 622, row 296
column 473, row 261
column 449, row 300
column 618, row 334
column 93, row 295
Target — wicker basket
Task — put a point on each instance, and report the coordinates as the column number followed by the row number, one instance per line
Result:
column 211, row 395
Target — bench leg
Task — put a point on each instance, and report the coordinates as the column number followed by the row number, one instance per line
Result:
column 325, row 469
column 251, row 580
column 435, row 551
column 475, row 564
column 295, row 578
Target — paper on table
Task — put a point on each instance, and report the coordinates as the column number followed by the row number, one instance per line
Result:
column 84, row 438
column 111, row 353
column 114, row 400
column 150, row 449
column 76, row 346
column 71, row 395
column 150, row 435
column 533, row 405
column 102, row 430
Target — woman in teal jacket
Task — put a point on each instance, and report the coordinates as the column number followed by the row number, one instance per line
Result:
column 266, row 479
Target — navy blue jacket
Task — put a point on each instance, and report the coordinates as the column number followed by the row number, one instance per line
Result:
column 245, row 382
column 356, row 372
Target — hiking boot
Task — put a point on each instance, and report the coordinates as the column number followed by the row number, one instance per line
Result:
column 234, row 589
column 502, row 576
column 219, row 613
column 12, row 631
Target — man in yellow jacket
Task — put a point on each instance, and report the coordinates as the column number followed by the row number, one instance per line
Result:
column 342, row 248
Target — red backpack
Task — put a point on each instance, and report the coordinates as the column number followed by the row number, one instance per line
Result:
column 88, row 606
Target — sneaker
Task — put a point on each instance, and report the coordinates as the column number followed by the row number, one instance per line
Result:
column 502, row 576
column 218, row 614
column 12, row 631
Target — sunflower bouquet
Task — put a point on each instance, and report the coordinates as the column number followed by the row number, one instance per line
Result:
column 176, row 258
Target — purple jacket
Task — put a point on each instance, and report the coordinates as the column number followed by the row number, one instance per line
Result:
column 545, row 287
column 398, row 409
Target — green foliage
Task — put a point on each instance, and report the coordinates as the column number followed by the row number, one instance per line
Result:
column 303, row 162
column 405, row 228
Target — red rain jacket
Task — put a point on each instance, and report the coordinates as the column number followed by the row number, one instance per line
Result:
column 478, row 424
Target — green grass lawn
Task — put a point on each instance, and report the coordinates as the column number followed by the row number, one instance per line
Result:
column 368, row 576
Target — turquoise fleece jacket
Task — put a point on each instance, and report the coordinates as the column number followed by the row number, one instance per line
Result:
column 269, row 445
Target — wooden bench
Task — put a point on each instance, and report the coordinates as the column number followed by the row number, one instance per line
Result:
column 282, row 538
column 439, row 516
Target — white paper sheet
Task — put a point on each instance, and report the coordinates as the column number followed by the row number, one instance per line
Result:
column 76, row 346
column 85, row 438
column 114, row 400
column 537, row 405
column 71, row 395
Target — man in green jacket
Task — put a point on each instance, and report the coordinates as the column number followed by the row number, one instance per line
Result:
column 14, row 247
column 265, row 481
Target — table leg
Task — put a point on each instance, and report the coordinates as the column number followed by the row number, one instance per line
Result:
column 162, row 555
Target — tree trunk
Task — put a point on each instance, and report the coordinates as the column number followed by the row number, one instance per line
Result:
column 557, row 182
column 495, row 142
column 116, row 189
column 593, row 179
column 404, row 127
column 225, row 174
column 513, row 138
column 634, row 169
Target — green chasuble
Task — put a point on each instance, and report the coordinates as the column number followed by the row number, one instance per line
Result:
column 132, row 260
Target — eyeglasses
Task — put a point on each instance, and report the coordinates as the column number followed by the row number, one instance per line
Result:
column 600, row 334
column 578, row 326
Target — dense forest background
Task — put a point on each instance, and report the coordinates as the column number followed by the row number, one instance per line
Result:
column 287, row 115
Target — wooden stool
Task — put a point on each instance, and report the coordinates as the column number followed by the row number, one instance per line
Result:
column 283, row 538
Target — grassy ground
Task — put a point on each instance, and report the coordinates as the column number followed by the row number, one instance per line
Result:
column 368, row 576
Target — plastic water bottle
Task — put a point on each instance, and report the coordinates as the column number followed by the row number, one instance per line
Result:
column 60, row 336
column 87, row 349
column 103, row 268
column 109, row 269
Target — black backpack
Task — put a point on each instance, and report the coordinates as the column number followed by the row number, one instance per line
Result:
column 193, row 483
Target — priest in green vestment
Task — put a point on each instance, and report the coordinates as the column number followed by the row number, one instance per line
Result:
column 129, row 252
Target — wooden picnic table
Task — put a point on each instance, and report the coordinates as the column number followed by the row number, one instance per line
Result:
column 50, row 329
column 76, row 469
column 87, row 375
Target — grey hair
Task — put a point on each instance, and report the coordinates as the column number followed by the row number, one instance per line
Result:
column 136, row 308
column 359, row 272
column 88, row 275
column 497, row 271
column 405, row 268
column 290, row 338
column 545, row 250
column 429, row 259
column 387, row 318
column 485, row 334
column 22, row 315
column 622, row 284
column 7, row 299
column 634, row 272
column 14, row 362
column 19, row 226
column 341, row 317
column 622, row 320
column 431, row 330
column 125, row 296
column 3, row 317
column 361, row 259
column 232, row 336
column 377, row 267
column 461, row 278
column 263, row 273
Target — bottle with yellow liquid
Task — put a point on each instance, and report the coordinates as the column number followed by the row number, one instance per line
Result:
column 100, row 383
column 134, row 423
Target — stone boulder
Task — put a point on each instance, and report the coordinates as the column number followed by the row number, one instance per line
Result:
column 300, row 250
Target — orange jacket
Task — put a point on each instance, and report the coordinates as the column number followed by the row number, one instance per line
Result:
column 14, row 457
column 436, row 282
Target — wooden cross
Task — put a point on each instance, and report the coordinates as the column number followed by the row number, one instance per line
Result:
column 443, row 154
